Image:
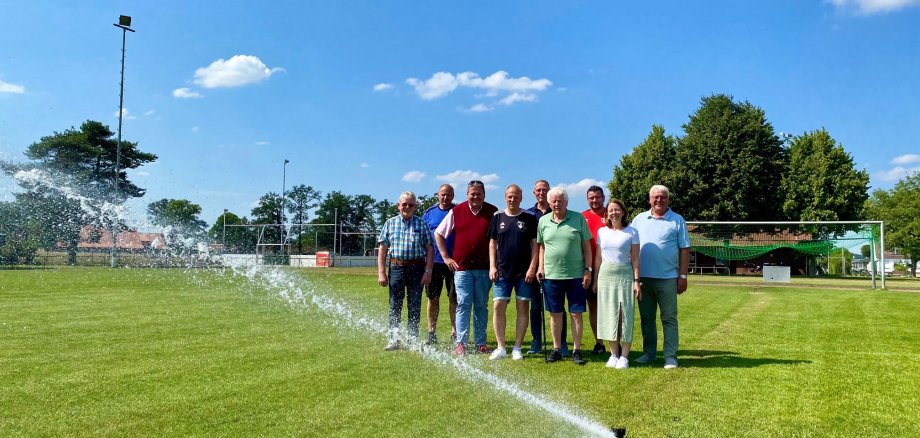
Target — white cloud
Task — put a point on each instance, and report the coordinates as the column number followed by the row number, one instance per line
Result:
column 237, row 71
column 125, row 114
column 6, row 87
column 150, row 113
column 195, row 129
column 578, row 190
column 896, row 173
column 413, row 176
column 868, row 7
column 142, row 173
column 383, row 87
column 185, row 93
column 460, row 178
column 440, row 84
column 518, row 97
column 261, row 143
column 480, row 108
column 364, row 165
column 906, row 159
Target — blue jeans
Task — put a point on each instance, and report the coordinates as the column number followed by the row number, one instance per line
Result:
column 405, row 281
column 472, row 294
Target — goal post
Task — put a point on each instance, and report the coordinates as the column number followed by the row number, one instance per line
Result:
column 747, row 246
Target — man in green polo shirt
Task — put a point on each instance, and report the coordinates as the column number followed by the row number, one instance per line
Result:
column 565, row 264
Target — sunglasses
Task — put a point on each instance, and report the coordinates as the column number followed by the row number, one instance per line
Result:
column 475, row 183
column 406, row 204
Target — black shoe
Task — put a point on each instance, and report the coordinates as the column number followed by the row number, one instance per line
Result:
column 432, row 339
column 554, row 356
column 576, row 357
column 598, row 349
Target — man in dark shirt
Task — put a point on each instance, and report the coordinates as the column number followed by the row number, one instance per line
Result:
column 512, row 265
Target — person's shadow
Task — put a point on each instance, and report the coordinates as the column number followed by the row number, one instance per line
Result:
column 728, row 359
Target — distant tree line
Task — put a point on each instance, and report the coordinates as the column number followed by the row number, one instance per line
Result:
column 729, row 165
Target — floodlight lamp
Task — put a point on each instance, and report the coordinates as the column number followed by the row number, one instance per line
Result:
column 124, row 20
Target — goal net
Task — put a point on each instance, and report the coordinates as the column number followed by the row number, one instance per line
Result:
column 809, row 248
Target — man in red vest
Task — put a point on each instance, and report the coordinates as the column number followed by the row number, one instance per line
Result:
column 469, row 223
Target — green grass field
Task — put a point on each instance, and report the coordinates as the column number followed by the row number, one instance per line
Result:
column 130, row 352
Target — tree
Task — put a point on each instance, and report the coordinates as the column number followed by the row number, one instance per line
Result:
column 865, row 251
column 729, row 164
column 356, row 214
column 821, row 182
column 236, row 239
column 20, row 236
column 178, row 216
column 649, row 163
column 70, row 182
column 300, row 200
column 269, row 212
column 89, row 155
column 900, row 209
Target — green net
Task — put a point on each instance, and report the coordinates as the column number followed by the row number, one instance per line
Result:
column 748, row 241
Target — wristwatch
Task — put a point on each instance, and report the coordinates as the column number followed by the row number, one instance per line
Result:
column 683, row 276
column 589, row 269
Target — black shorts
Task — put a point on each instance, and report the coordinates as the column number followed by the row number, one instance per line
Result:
column 441, row 276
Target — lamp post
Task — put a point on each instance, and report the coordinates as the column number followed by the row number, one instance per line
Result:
column 283, row 187
column 224, row 240
column 124, row 22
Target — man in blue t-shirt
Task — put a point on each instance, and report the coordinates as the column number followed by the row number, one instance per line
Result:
column 442, row 275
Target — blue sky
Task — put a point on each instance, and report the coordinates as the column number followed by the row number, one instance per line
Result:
column 380, row 97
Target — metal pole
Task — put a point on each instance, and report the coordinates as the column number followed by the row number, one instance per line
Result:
column 123, row 22
column 283, row 189
column 883, row 254
column 335, row 226
column 224, row 240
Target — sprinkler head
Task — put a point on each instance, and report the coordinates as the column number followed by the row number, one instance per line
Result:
column 619, row 432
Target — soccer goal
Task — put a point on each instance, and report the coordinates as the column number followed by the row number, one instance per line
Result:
column 808, row 248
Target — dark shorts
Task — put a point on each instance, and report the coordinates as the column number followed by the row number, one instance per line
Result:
column 590, row 296
column 441, row 276
column 557, row 291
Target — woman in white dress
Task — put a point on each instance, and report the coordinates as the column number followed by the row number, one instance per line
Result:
column 616, row 264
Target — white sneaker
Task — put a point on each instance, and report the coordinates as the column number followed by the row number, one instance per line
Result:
column 622, row 363
column 499, row 353
column 516, row 353
column 645, row 358
column 612, row 362
column 670, row 363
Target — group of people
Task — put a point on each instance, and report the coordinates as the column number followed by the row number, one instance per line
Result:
column 546, row 255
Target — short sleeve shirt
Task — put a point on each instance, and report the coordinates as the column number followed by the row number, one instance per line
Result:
column 513, row 235
column 562, row 251
column 615, row 245
column 595, row 222
column 433, row 217
column 405, row 239
column 661, row 241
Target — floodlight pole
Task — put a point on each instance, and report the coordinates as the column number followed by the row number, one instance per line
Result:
column 124, row 22
column 283, row 188
column 223, row 242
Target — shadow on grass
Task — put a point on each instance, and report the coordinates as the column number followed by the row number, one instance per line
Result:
column 728, row 359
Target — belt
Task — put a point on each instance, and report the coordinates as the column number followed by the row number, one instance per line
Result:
column 412, row 262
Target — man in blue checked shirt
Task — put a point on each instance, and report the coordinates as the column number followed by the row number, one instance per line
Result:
column 407, row 242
